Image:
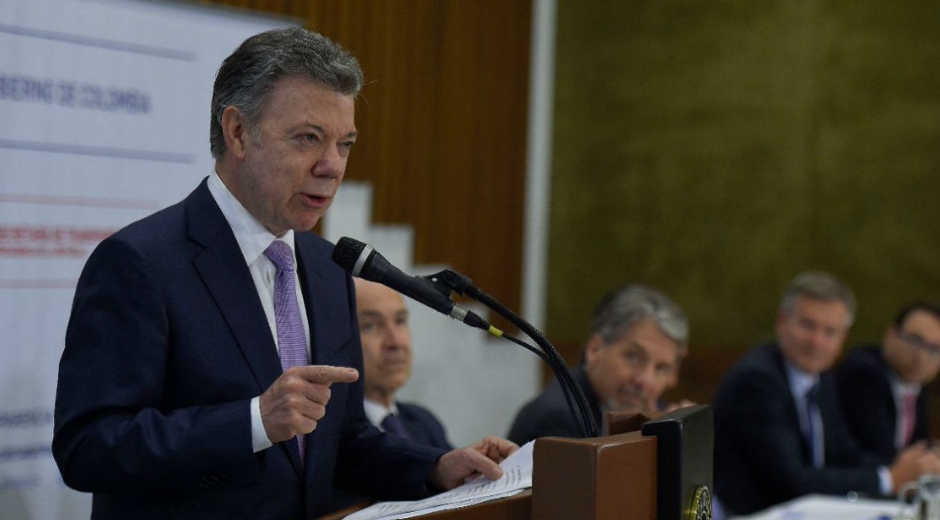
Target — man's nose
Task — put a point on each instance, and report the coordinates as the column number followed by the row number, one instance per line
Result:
column 646, row 378
column 394, row 338
column 331, row 164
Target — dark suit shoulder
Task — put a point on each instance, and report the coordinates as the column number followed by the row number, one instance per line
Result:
column 863, row 358
column 547, row 415
column 423, row 425
column 415, row 410
column 760, row 366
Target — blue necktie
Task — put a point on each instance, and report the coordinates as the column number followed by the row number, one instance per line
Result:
column 291, row 340
column 813, row 436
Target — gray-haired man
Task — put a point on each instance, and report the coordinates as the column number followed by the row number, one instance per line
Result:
column 638, row 339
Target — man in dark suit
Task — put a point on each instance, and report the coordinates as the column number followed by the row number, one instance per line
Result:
column 882, row 387
column 212, row 355
column 387, row 358
column 637, row 342
column 779, row 428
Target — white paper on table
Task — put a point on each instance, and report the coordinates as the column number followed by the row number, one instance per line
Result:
column 517, row 476
column 818, row 507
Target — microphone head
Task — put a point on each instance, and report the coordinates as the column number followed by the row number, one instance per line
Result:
column 347, row 252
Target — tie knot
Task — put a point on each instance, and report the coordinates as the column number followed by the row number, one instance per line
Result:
column 393, row 423
column 279, row 253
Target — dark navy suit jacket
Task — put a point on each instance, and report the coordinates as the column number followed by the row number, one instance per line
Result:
column 761, row 458
column 549, row 414
column 869, row 403
column 166, row 345
column 422, row 426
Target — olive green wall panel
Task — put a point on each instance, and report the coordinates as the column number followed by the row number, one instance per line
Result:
column 715, row 149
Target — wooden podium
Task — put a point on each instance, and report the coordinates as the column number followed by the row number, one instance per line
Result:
column 641, row 468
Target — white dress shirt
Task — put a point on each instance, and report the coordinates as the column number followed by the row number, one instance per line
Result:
column 253, row 238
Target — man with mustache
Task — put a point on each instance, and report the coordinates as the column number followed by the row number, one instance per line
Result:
column 638, row 339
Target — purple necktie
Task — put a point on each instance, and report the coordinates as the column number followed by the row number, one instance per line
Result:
column 910, row 416
column 291, row 341
column 393, row 424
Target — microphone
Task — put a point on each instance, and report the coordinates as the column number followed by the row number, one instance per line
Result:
column 362, row 261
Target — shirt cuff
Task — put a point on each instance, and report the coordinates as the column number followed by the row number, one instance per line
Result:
column 259, row 437
column 885, row 481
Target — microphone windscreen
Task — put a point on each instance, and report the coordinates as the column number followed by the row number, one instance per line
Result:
column 347, row 252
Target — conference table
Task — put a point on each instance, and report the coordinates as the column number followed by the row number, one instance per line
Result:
column 822, row 507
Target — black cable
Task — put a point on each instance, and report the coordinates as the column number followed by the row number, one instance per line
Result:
column 551, row 356
column 525, row 345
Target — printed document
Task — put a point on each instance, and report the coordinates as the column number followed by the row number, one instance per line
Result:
column 517, row 476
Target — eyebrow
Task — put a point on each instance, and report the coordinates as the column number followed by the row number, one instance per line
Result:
column 354, row 133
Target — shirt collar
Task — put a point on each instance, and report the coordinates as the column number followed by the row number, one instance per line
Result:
column 901, row 387
column 252, row 237
column 799, row 380
column 377, row 412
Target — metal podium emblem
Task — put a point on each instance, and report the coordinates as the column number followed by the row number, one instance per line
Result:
column 700, row 507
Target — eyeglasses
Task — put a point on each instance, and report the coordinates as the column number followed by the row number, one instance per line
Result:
column 918, row 343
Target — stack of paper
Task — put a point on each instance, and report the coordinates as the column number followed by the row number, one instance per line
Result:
column 517, row 476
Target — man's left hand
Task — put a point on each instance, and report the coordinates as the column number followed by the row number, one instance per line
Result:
column 458, row 466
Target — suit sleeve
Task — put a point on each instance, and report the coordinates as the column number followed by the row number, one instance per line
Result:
column 755, row 418
column 113, row 431
column 370, row 462
column 866, row 399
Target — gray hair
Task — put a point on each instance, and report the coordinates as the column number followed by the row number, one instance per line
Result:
column 818, row 285
column 624, row 307
column 250, row 74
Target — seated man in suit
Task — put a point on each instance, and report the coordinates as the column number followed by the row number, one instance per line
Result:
column 386, row 351
column 386, row 360
column 882, row 388
column 779, row 428
column 637, row 342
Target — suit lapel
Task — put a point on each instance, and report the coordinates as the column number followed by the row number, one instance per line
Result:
column 327, row 301
column 225, row 273
column 223, row 270
column 319, row 313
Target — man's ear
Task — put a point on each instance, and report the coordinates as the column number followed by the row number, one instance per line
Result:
column 235, row 131
column 593, row 349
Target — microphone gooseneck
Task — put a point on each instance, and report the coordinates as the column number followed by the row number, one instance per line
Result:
column 363, row 261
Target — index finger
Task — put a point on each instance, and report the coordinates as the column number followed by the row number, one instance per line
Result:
column 497, row 449
column 326, row 374
column 484, row 465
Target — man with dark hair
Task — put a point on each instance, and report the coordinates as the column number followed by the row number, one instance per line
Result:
column 638, row 339
column 212, row 356
column 779, row 427
column 882, row 388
